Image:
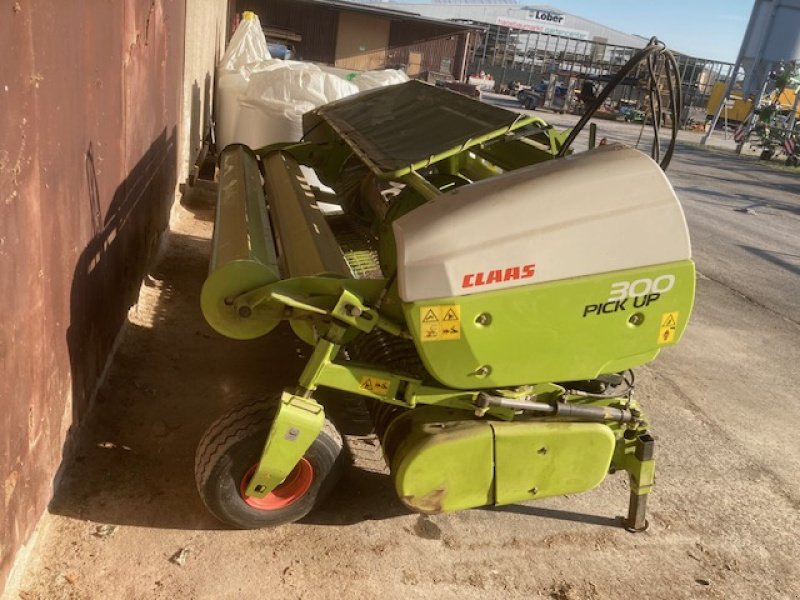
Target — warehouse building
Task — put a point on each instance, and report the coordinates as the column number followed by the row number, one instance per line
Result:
column 365, row 37
column 529, row 44
column 541, row 19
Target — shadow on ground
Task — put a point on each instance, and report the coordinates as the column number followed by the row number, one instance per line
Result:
column 172, row 376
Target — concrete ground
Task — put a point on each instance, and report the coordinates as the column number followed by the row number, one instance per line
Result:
column 725, row 516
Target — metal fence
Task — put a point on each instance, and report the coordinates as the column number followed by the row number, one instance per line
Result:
column 529, row 58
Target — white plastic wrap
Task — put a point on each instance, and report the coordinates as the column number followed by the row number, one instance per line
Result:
column 261, row 100
column 278, row 93
column 369, row 80
column 230, row 86
column 247, row 51
column 248, row 45
column 347, row 74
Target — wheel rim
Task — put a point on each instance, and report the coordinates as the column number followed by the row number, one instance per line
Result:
column 294, row 487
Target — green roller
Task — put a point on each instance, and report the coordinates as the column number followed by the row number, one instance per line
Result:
column 243, row 254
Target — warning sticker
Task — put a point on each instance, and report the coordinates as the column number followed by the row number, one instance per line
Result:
column 440, row 323
column 666, row 331
column 375, row 385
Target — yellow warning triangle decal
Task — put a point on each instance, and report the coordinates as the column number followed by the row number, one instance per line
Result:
column 430, row 316
column 669, row 322
column 451, row 315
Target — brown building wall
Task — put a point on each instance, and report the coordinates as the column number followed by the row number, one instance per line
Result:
column 89, row 110
column 437, row 56
column 362, row 41
column 335, row 36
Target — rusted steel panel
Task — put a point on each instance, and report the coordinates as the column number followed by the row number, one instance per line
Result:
column 89, row 105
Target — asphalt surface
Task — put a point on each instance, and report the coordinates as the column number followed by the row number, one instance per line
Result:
column 725, row 518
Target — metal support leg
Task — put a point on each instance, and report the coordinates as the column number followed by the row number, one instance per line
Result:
column 297, row 424
column 637, row 512
column 641, row 467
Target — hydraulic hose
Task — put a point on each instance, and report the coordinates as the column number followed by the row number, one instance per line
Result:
column 651, row 53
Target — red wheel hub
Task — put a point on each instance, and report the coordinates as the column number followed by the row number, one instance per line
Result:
column 294, row 487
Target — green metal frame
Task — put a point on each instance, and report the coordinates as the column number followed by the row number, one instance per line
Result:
column 341, row 309
column 299, row 418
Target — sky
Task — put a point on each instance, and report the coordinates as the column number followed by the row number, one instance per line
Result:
column 702, row 28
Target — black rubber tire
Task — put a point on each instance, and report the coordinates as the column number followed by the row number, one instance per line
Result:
column 233, row 444
column 766, row 155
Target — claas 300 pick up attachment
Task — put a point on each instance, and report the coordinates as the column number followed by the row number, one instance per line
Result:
column 487, row 298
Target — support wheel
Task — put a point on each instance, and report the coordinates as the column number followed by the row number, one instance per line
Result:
column 228, row 454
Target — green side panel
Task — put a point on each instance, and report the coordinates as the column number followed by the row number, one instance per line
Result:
column 537, row 460
column 556, row 331
column 440, row 463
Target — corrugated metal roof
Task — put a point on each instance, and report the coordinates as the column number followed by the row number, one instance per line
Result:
column 490, row 12
column 380, row 10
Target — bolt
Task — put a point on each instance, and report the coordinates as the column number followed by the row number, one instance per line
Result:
column 353, row 311
column 542, row 451
column 533, row 491
column 245, row 312
column 483, row 371
column 483, row 319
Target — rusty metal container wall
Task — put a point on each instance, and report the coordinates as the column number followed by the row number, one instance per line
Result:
column 89, row 109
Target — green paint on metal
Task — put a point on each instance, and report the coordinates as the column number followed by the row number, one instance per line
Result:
column 536, row 460
column 297, row 424
column 642, row 472
column 442, row 462
column 243, row 255
column 553, row 331
column 428, row 117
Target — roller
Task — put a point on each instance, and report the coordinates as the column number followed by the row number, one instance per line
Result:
column 243, row 253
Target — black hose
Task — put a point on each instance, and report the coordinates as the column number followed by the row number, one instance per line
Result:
column 650, row 54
